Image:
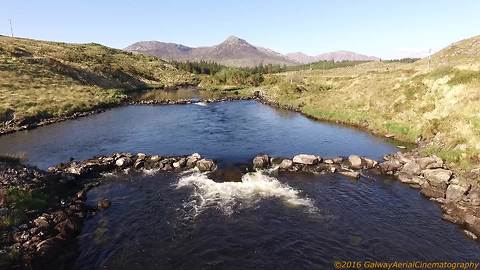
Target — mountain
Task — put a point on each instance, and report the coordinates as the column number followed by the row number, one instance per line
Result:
column 336, row 56
column 233, row 51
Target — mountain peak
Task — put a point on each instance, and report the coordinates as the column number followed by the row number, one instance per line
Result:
column 233, row 40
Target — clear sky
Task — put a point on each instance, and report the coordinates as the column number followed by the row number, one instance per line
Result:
column 387, row 29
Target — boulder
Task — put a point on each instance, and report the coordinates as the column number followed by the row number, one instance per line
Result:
column 472, row 223
column 370, row 163
column 438, row 177
column 430, row 191
column 261, row 161
column 455, row 192
column 103, row 204
column 192, row 159
column 473, row 196
column 305, row 159
column 355, row 162
column 180, row 163
column 41, row 222
column 337, row 160
column 328, row 161
column 205, row 165
column 411, row 168
column 49, row 248
column 123, row 162
column 286, row 164
column 390, row 166
column 68, row 228
column 431, row 162
column 141, row 156
column 138, row 164
column 354, row 175
column 410, row 179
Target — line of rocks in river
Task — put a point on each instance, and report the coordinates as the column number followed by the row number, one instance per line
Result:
column 188, row 101
column 459, row 197
column 41, row 239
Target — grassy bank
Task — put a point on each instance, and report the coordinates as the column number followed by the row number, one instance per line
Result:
column 40, row 79
column 436, row 100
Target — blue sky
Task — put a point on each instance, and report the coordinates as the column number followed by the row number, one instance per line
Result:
column 387, row 29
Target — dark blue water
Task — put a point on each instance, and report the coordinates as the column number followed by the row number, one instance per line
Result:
column 229, row 132
column 286, row 221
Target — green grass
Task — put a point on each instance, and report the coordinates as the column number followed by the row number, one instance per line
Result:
column 439, row 103
column 18, row 201
column 40, row 79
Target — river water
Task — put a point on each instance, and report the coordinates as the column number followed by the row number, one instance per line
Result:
column 264, row 221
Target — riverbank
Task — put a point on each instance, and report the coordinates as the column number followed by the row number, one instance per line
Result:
column 42, row 211
column 42, row 81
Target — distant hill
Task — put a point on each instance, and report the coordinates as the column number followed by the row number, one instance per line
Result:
column 336, row 56
column 464, row 52
column 233, row 51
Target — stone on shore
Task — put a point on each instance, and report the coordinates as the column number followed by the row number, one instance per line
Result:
column 431, row 162
column 411, row 168
column 390, row 166
column 305, row 159
column 437, row 177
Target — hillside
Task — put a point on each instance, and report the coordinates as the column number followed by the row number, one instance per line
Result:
column 40, row 79
column 336, row 56
column 231, row 52
column 438, row 104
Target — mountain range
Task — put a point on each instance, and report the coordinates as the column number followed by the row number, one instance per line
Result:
column 238, row 52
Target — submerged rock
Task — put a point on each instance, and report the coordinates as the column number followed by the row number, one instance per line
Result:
column 305, row 159
column 351, row 174
column 103, row 204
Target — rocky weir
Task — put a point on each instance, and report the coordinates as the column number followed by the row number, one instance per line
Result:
column 459, row 197
column 44, row 235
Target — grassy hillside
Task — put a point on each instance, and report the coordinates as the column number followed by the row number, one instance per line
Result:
column 438, row 102
column 41, row 79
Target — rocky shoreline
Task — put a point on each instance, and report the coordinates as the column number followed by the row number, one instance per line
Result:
column 35, row 243
column 459, row 198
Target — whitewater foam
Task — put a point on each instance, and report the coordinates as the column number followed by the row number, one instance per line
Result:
column 228, row 196
column 201, row 103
